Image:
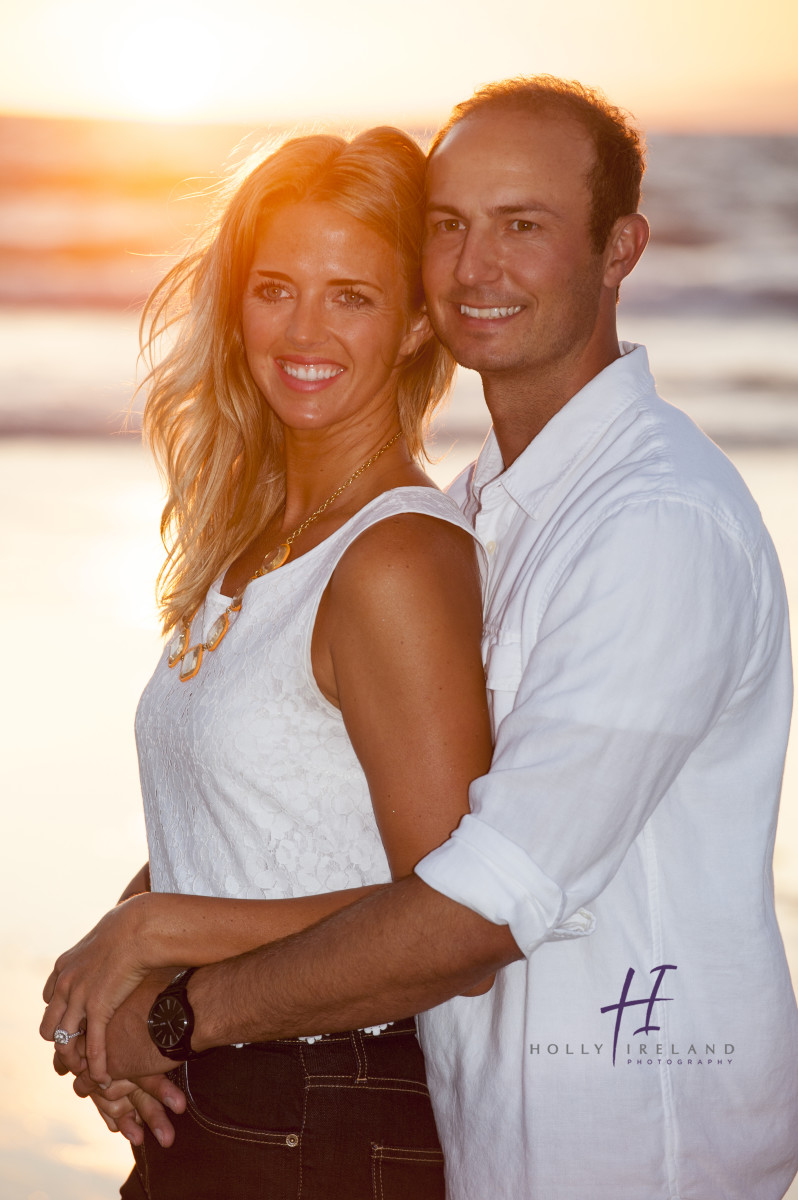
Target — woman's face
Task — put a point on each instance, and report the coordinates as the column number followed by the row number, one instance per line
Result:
column 325, row 317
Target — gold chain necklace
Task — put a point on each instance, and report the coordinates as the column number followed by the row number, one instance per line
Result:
column 190, row 657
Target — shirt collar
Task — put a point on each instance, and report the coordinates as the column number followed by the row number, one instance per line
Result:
column 570, row 434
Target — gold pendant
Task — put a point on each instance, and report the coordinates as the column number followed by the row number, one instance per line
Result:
column 192, row 661
column 178, row 646
column 217, row 631
column 279, row 557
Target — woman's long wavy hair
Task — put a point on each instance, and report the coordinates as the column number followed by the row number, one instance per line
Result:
column 216, row 441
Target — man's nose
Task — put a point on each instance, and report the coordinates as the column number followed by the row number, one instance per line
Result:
column 478, row 262
column 307, row 327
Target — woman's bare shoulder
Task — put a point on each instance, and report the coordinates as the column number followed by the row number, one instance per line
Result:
column 408, row 554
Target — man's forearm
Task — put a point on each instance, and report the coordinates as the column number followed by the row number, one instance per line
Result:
column 393, row 954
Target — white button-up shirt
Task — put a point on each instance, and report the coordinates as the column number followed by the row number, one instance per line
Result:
column 637, row 658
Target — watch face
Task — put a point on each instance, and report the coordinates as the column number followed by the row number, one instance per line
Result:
column 168, row 1022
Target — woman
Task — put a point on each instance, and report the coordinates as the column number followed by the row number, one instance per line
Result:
column 320, row 709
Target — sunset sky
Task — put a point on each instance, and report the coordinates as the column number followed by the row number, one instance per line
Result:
column 684, row 64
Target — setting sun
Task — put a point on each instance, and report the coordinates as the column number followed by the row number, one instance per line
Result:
column 691, row 64
column 164, row 66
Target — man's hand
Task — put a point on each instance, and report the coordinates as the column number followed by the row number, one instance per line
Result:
column 127, row 1105
column 130, row 1050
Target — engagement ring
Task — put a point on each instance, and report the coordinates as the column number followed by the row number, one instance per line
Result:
column 62, row 1038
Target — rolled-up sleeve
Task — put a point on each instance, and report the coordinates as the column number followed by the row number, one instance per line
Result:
column 630, row 648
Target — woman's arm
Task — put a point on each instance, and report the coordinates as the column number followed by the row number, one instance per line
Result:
column 397, row 647
column 161, row 929
column 138, row 884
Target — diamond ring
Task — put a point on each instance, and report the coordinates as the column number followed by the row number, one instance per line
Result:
column 62, row 1038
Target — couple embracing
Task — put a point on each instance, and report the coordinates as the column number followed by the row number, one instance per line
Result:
column 568, row 877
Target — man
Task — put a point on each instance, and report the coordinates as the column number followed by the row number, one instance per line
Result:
column 640, row 1041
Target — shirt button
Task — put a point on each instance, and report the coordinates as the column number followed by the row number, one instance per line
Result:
column 490, row 547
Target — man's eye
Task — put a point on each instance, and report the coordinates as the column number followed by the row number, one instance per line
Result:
column 521, row 226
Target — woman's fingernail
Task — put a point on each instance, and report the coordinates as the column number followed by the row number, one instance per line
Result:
column 159, row 1136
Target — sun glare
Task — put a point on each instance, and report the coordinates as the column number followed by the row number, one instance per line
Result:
column 164, row 67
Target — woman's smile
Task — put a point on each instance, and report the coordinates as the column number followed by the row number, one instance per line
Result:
column 308, row 375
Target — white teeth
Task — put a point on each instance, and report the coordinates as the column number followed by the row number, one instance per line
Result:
column 490, row 314
column 308, row 374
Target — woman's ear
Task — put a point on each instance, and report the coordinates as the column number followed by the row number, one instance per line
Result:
column 419, row 332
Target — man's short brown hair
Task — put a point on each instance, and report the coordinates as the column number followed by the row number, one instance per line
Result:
column 615, row 178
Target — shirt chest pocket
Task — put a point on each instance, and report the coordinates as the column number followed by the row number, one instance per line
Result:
column 503, row 663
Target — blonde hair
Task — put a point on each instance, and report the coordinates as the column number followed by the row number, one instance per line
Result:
column 214, row 437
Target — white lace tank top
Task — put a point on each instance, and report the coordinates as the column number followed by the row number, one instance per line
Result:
column 251, row 787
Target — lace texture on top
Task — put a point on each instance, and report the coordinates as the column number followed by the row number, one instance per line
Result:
column 251, row 787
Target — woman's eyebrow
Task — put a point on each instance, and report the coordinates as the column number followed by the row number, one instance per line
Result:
column 283, row 278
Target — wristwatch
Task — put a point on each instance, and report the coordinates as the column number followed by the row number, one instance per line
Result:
column 171, row 1019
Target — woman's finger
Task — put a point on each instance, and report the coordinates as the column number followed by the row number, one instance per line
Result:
column 52, row 1019
column 95, row 1050
column 71, row 1057
column 49, row 987
column 72, row 1022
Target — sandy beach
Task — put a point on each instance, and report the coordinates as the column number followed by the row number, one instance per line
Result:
column 81, row 551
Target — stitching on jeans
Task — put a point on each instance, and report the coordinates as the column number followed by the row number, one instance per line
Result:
column 377, row 1080
column 425, row 1156
column 357, row 1047
column 302, row 1131
column 413, row 1089
column 395, row 1079
column 362, row 1044
column 339, row 1075
column 379, row 1154
column 376, row 1183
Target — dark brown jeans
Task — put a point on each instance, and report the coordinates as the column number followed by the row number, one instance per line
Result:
column 346, row 1118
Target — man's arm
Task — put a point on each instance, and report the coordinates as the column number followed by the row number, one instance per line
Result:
column 393, row 954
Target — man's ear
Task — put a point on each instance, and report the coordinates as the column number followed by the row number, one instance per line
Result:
column 417, row 334
column 626, row 243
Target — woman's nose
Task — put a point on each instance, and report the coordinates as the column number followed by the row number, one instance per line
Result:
column 306, row 326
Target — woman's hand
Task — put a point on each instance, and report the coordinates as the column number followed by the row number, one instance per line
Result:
column 90, row 981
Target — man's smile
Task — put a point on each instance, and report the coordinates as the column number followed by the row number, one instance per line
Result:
column 490, row 314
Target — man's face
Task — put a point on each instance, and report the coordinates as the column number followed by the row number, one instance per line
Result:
column 513, row 283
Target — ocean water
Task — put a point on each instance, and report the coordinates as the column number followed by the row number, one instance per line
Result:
column 90, row 212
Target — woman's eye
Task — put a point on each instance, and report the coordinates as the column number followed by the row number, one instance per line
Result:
column 353, row 299
column 450, row 225
column 271, row 292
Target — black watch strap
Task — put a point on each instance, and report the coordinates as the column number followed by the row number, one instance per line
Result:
column 171, row 1019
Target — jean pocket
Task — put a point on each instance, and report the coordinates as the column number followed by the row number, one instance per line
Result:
column 397, row 1173
column 254, row 1094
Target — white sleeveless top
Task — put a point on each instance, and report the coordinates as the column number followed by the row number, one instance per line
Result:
column 251, row 787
